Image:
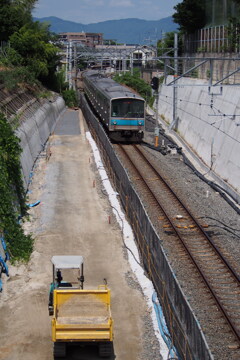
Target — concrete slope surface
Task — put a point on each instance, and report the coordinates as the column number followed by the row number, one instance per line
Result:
column 72, row 219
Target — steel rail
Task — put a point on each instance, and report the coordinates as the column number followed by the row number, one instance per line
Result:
column 234, row 329
column 190, row 215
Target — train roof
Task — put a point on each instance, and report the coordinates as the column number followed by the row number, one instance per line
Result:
column 109, row 87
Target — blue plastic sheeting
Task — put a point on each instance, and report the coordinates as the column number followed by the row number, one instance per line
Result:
column 34, row 204
column 4, row 266
column 164, row 329
column 4, row 256
column 4, row 247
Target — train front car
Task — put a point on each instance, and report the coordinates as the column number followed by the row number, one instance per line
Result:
column 121, row 111
column 127, row 118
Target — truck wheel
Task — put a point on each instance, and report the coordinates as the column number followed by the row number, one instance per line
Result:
column 105, row 349
column 59, row 350
column 50, row 310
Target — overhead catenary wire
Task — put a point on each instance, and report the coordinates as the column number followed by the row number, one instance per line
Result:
column 222, row 191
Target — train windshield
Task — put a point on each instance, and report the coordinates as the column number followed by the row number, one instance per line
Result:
column 128, row 108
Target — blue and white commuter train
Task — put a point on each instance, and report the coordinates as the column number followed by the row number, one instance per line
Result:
column 121, row 111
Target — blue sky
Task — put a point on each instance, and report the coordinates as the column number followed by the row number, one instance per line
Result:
column 92, row 11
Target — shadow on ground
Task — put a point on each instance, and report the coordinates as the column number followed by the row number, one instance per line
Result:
column 86, row 352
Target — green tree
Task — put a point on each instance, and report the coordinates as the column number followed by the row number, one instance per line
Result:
column 166, row 44
column 190, row 15
column 38, row 54
column 13, row 15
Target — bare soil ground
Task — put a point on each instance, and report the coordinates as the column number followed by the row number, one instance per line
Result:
column 72, row 219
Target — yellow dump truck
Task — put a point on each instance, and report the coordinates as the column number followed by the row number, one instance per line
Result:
column 79, row 316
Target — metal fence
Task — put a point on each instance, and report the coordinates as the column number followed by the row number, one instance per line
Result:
column 214, row 39
column 211, row 39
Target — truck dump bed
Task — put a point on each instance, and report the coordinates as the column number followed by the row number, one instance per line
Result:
column 82, row 315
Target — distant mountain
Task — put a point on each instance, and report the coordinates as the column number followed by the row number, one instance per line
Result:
column 127, row 31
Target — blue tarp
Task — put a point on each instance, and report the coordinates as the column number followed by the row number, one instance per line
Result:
column 164, row 329
column 4, row 256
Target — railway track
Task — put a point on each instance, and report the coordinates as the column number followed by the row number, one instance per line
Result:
column 220, row 278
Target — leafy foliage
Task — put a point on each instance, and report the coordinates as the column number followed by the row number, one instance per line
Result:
column 135, row 82
column 12, row 194
column 30, row 53
column 13, row 15
column 70, row 98
column 37, row 54
column 190, row 15
column 11, row 78
column 233, row 30
column 166, row 44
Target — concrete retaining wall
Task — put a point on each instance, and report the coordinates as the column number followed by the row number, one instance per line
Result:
column 209, row 124
column 35, row 131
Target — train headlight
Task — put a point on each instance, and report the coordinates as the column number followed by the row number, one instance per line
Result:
column 114, row 123
column 140, row 123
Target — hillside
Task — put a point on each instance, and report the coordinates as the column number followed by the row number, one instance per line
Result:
column 127, row 31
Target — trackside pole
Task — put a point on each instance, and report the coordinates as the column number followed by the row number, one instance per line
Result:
column 156, row 123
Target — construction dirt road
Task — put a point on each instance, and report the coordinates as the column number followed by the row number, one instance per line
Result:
column 72, row 219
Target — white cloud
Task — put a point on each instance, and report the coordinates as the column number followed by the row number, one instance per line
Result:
column 121, row 3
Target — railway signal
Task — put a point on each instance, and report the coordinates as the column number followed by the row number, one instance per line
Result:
column 155, row 86
column 155, row 83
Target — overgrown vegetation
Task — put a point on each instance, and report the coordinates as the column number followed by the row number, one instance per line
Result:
column 28, row 58
column 233, row 30
column 12, row 194
column 70, row 97
column 165, row 46
column 14, row 77
column 29, row 54
column 135, row 82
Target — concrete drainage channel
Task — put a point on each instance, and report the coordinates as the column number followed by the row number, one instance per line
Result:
column 186, row 333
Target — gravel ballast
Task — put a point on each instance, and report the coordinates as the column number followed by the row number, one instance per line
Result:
column 221, row 222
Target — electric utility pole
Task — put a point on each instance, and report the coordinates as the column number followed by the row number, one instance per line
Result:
column 174, row 120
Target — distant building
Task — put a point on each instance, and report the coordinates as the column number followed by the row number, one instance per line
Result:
column 78, row 37
column 88, row 39
column 139, row 54
column 94, row 39
column 142, row 54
